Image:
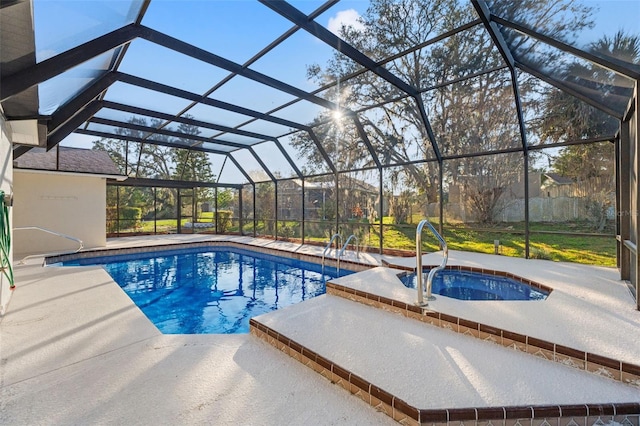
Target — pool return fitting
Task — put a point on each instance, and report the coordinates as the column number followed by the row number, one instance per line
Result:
column 424, row 295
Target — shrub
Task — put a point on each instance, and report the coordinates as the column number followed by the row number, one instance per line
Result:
column 539, row 253
column 112, row 219
column 125, row 218
column 224, row 220
column 287, row 231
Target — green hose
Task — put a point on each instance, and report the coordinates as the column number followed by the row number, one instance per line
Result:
column 5, row 242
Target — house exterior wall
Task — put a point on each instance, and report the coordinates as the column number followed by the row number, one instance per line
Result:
column 6, row 185
column 68, row 204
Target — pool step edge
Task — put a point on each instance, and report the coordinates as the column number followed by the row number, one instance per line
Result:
column 603, row 366
column 402, row 412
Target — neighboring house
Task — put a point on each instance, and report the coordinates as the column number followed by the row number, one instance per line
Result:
column 63, row 190
column 355, row 196
column 555, row 185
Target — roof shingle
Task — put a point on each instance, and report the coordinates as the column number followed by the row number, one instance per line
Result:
column 70, row 160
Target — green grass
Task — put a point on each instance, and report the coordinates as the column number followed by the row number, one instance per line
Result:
column 161, row 225
column 591, row 250
column 585, row 249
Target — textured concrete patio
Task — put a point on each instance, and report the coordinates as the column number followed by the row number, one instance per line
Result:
column 75, row 350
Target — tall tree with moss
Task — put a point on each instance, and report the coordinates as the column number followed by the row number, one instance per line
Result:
column 469, row 101
column 137, row 159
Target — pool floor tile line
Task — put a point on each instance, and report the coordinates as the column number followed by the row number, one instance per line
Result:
column 597, row 364
column 404, row 413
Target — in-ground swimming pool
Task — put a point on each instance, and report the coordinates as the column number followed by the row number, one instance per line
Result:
column 211, row 290
column 467, row 285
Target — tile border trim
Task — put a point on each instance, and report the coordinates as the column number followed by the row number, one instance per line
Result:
column 307, row 257
column 486, row 271
column 624, row 372
column 401, row 411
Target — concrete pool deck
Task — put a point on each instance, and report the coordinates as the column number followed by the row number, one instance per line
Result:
column 75, row 350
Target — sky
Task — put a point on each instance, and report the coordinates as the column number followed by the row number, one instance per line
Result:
column 236, row 30
column 614, row 15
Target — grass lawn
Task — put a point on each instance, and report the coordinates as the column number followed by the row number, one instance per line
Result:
column 586, row 249
column 591, row 250
column 162, row 225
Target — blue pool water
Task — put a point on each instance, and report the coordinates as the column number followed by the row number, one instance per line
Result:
column 466, row 285
column 211, row 290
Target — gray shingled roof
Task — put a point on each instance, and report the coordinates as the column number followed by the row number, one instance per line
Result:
column 558, row 179
column 71, row 160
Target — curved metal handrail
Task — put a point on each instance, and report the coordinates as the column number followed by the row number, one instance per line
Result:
column 433, row 271
column 344, row 247
column 328, row 246
column 49, row 231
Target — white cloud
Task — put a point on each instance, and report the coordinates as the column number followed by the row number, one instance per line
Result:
column 348, row 17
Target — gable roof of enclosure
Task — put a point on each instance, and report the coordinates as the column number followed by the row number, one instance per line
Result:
column 238, row 78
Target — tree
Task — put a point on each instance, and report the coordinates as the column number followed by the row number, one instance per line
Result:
column 570, row 119
column 467, row 115
column 265, row 206
column 225, row 197
column 192, row 165
column 148, row 160
column 136, row 159
column 139, row 160
column 400, row 206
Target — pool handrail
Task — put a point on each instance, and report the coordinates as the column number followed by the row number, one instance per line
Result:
column 419, row 274
column 344, row 247
column 49, row 231
column 328, row 246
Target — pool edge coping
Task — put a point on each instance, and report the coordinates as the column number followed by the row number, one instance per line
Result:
column 355, row 266
column 396, row 408
column 624, row 372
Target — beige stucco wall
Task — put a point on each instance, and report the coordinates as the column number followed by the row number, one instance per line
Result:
column 74, row 205
column 6, row 165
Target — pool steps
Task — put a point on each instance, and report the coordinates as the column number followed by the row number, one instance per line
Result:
column 618, row 370
column 397, row 408
column 404, row 413
column 597, row 364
